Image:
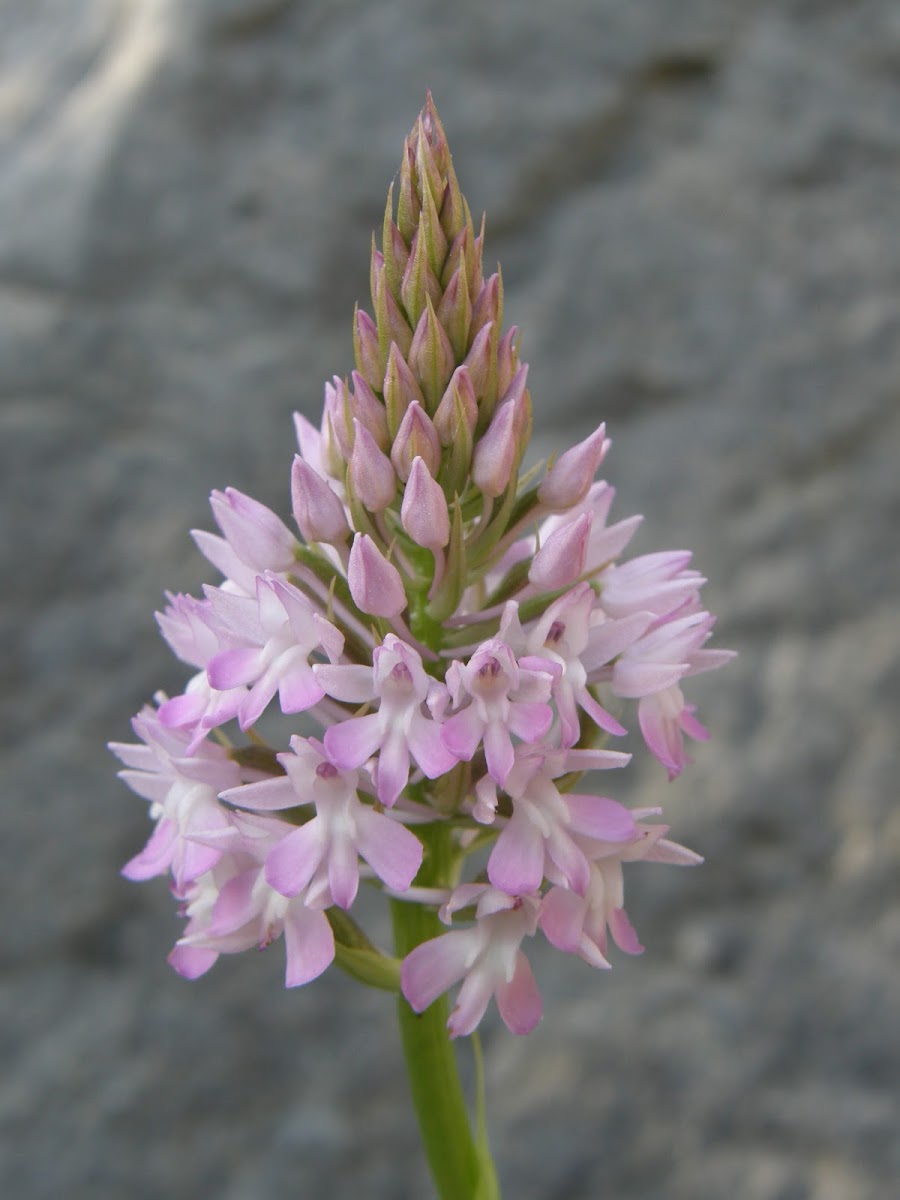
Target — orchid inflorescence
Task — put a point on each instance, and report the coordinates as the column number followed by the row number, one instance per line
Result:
column 458, row 632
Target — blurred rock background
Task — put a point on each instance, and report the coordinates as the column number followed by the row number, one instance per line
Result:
column 696, row 208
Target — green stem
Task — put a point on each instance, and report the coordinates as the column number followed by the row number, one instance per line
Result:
column 457, row 1165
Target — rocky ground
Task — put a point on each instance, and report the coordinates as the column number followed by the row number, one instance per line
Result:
column 696, row 207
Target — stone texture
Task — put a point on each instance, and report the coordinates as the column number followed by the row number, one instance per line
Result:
column 695, row 207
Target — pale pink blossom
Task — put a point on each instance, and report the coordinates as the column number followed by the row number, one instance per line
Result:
column 267, row 643
column 505, row 698
column 234, row 908
column 183, row 789
column 546, row 825
column 562, row 636
column 188, row 625
column 578, row 924
column 487, row 957
column 659, row 583
column 401, row 729
column 321, row 857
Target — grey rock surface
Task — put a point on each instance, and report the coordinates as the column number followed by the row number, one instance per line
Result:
column 696, row 207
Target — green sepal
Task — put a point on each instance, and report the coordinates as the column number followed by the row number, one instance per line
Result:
column 395, row 256
column 392, row 326
column 455, row 311
column 482, row 544
column 514, row 579
column 400, row 389
column 489, row 397
column 257, row 758
column 433, row 359
column 355, row 954
column 431, row 182
column 414, row 286
column 452, row 211
column 455, row 470
column 434, row 237
column 455, row 577
column 408, row 206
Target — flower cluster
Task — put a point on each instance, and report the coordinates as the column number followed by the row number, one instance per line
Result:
column 464, row 638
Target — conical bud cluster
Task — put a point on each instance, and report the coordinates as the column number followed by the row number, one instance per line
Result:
column 435, row 379
column 456, row 631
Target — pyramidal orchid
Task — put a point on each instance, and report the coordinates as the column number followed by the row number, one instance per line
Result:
column 461, row 639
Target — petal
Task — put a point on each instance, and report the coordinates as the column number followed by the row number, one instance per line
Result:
column 257, row 699
column 156, row 856
column 191, row 961
column 498, row 751
column 235, row 905
column 393, row 768
column 343, row 870
column 562, row 918
column 530, row 721
column 350, row 743
column 182, row 710
column 599, row 715
column 662, row 735
column 434, row 966
column 299, row 689
column 608, row 640
column 350, row 683
column 267, row 795
column 390, row 849
column 472, row 1001
column 291, row 864
column 516, row 864
column 623, row 932
column 519, row 1001
column 232, row 668
column 427, row 747
column 308, row 944
column 599, row 817
column 633, row 680
column 462, row 732
column 570, row 859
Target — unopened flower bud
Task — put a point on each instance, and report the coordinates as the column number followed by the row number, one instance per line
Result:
column 375, row 584
column 318, row 512
column 478, row 360
column 424, row 510
column 416, row 436
column 507, row 360
column 369, row 361
column 562, row 557
column 459, row 398
column 337, row 416
column 455, row 312
column 418, row 283
column 368, row 409
column 496, row 453
column 371, row 476
column 568, row 480
column 431, row 356
column 488, row 307
column 400, row 390
column 392, row 324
